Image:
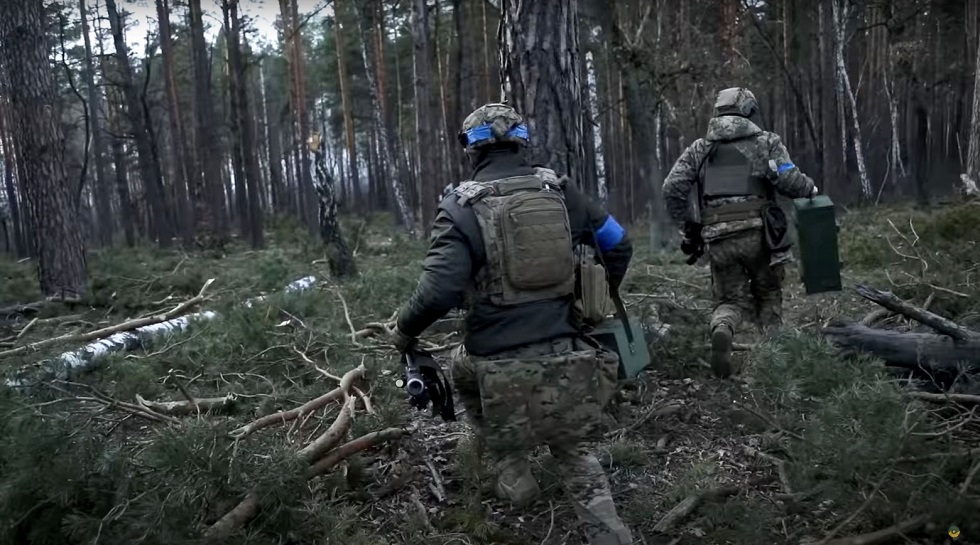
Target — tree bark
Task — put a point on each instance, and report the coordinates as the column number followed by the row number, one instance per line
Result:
column 34, row 102
column 389, row 145
column 102, row 191
column 540, row 76
column 908, row 350
column 350, row 142
column 973, row 154
column 179, row 146
column 339, row 254
column 841, row 14
column 244, row 145
column 210, row 212
column 303, row 120
column 161, row 227
column 430, row 158
column 14, row 200
column 273, row 144
column 833, row 167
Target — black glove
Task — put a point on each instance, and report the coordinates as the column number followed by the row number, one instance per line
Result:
column 693, row 244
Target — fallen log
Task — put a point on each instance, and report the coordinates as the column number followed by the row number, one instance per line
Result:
column 107, row 331
column 906, row 350
column 90, row 355
column 935, row 321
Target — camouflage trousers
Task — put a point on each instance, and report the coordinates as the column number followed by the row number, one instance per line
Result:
column 744, row 284
column 542, row 394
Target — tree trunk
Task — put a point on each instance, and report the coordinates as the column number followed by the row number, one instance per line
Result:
column 841, row 14
column 243, row 131
column 36, row 111
column 160, row 221
column 350, row 142
column 390, row 145
column 126, row 205
column 593, row 89
column 430, row 164
column 303, row 121
column 102, row 191
column 273, row 143
column 14, row 200
column 833, row 167
column 541, row 78
column 339, row 255
column 973, row 154
column 179, row 145
column 210, row 212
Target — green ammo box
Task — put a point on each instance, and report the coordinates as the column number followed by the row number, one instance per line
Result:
column 816, row 233
column 612, row 334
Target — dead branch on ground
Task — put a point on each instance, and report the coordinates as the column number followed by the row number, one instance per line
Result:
column 106, row 331
column 947, row 398
column 246, row 510
column 189, row 406
column 886, row 535
column 113, row 403
column 304, row 409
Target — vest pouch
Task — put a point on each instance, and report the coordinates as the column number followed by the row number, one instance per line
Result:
column 776, row 228
column 537, row 238
column 592, row 288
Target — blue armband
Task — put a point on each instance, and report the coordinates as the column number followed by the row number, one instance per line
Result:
column 609, row 235
column 784, row 167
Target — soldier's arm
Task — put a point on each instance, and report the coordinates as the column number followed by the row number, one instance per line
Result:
column 444, row 281
column 604, row 233
column 790, row 180
column 681, row 180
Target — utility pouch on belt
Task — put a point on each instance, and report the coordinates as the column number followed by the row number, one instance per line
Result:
column 591, row 288
column 776, row 228
column 736, row 211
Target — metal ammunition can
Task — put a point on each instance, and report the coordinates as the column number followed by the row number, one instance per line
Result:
column 816, row 233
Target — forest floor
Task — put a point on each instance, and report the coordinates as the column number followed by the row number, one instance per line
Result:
column 802, row 446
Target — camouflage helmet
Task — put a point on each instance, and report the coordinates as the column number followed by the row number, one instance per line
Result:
column 736, row 101
column 493, row 123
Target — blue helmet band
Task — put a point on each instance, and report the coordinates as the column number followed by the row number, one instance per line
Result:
column 483, row 132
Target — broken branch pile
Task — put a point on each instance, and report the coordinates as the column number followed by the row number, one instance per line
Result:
column 320, row 455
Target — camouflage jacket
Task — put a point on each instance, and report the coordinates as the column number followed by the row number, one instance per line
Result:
column 758, row 145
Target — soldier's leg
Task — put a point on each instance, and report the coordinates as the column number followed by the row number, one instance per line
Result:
column 566, row 412
column 770, row 296
column 463, row 374
column 767, row 290
column 591, row 496
column 505, row 387
column 731, row 290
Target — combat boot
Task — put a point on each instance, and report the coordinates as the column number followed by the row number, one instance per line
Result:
column 516, row 483
column 721, row 351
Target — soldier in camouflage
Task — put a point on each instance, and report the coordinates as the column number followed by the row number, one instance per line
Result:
column 502, row 245
column 737, row 168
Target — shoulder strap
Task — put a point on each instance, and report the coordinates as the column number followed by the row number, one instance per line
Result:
column 712, row 146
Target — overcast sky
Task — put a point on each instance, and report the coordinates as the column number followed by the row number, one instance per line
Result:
column 263, row 14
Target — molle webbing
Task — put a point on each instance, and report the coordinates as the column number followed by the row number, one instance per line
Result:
column 735, row 211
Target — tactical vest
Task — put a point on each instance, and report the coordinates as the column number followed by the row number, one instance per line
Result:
column 728, row 173
column 527, row 237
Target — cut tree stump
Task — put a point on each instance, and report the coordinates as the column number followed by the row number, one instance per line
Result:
column 906, row 350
